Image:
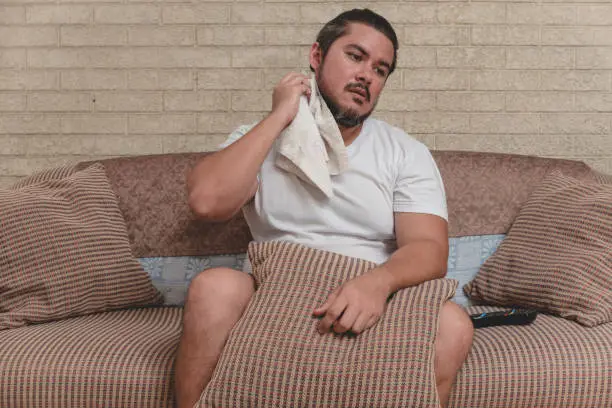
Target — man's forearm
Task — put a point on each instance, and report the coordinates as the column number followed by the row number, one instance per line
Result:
column 414, row 263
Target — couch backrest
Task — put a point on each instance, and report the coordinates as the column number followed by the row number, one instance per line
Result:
column 153, row 198
column 485, row 191
column 484, row 194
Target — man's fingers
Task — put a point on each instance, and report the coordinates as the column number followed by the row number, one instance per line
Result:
column 334, row 311
column 294, row 78
column 361, row 323
column 346, row 321
column 319, row 311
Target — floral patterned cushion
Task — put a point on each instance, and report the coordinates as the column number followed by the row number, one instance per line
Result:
column 465, row 257
column 172, row 275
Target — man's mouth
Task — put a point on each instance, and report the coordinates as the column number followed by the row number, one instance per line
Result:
column 360, row 90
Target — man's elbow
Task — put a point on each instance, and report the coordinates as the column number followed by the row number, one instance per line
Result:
column 443, row 260
column 442, row 272
column 208, row 208
column 439, row 258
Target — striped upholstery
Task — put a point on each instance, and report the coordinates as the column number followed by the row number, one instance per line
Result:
column 603, row 178
column 556, row 256
column 64, row 252
column 120, row 359
column 553, row 362
column 54, row 173
column 276, row 358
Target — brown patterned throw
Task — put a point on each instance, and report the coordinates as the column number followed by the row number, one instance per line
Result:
column 64, row 251
column 275, row 357
column 557, row 255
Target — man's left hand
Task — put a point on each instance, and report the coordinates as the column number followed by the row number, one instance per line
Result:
column 356, row 305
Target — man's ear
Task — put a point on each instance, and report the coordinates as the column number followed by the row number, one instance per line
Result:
column 315, row 57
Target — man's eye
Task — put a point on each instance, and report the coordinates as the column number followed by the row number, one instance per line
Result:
column 380, row 72
column 354, row 57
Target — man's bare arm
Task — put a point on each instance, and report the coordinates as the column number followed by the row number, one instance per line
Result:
column 422, row 254
column 222, row 182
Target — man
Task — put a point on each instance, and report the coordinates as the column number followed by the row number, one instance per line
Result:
column 391, row 177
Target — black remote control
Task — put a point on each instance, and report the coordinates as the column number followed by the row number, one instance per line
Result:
column 504, row 317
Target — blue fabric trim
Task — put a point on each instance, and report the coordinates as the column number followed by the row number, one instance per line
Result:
column 172, row 275
column 466, row 256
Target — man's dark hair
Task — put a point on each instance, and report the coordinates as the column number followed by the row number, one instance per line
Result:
column 338, row 26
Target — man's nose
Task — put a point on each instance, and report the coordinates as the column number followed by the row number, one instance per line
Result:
column 364, row 76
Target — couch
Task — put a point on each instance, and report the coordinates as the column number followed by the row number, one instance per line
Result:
column 120, row 353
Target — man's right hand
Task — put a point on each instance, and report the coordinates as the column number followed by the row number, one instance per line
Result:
column 286, row 96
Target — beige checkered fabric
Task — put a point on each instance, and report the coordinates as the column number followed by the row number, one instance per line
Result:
column 276, row 358
column 556, row 256
column 553, row 362
column 64, row 251
column 115, row 359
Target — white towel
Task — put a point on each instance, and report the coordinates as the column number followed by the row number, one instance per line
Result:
column 311, row 147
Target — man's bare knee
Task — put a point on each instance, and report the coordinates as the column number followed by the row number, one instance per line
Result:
column 221, row 289
column 455, row 334
column 457, row 320
column 453, row 342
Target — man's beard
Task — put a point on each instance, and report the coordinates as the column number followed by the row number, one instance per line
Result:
column 345, row 117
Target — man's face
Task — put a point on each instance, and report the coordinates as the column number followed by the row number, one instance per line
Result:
column 353, row 73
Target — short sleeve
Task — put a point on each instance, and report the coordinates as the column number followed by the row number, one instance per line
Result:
column 235, row 135
column 419, row 187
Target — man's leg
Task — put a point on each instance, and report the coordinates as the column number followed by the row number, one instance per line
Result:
column 215, row 301
column 453, row 342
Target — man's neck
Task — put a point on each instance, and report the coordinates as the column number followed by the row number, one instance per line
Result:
column 350, row 134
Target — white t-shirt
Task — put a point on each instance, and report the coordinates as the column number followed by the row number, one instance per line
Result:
column 388, row 172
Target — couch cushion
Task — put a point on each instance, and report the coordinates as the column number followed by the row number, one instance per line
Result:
column 113, row 359
column 172, row 275
column 552, row 362
column 54, row 173
column 276, row 357
column 603, row 178
column 557, row 255
column 465, row 257
column 64, row 251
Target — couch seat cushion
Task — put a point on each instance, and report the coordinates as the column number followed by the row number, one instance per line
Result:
column 113, row 359
column 553, row 362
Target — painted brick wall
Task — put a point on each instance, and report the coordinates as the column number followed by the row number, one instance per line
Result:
column 83, row 79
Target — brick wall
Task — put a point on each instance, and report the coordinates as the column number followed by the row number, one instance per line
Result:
column 84, row 78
